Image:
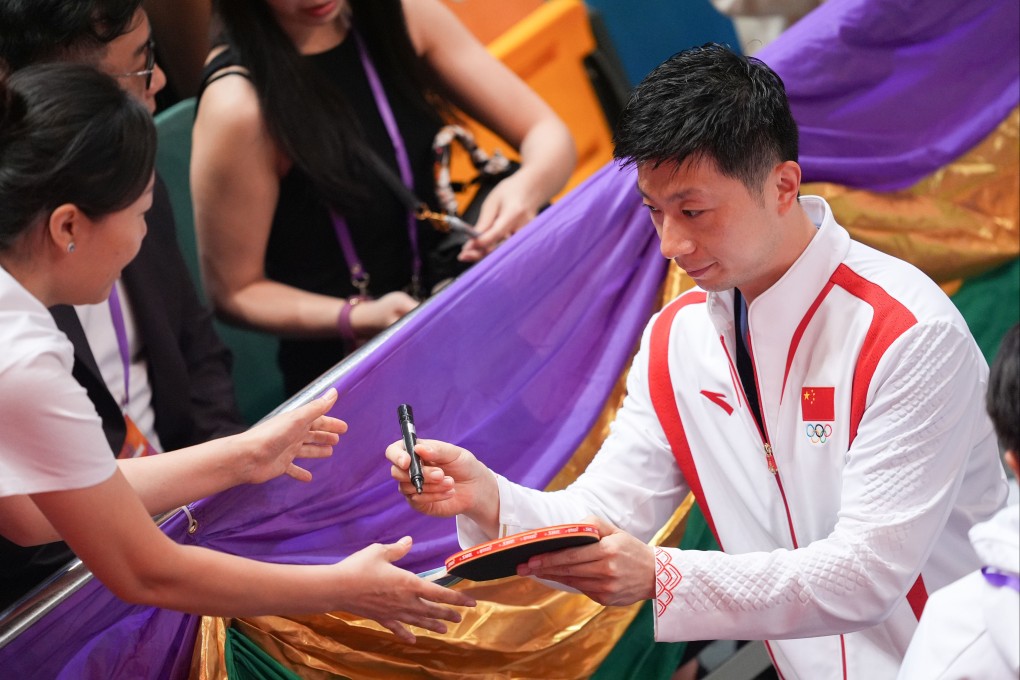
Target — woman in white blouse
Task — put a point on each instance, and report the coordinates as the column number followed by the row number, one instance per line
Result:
column 76, row 162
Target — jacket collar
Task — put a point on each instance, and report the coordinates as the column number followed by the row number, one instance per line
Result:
column 785, row 303
column 775, row 314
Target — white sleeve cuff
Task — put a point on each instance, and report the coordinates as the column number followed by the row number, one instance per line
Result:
column 469, row 533
column 667, row 579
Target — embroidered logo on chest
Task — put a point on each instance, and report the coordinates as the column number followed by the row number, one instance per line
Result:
column 818, row 411
column 719, row 399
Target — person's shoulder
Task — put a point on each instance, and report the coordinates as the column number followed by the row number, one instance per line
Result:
column 903, row 281
column 230, row 121
column 35, row 354
column 429, row 23
column 231, row 97
column 228, row 96
column 27, row 329
column 690, row 301
column 686, row 315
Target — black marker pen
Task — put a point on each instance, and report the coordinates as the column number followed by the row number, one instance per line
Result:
column 406, row 417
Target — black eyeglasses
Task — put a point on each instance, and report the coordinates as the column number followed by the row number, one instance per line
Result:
column 150, row 65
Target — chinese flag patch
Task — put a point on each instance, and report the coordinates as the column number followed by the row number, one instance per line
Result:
column 817, row 403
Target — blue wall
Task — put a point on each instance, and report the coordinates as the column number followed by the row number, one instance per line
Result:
column 646, row 32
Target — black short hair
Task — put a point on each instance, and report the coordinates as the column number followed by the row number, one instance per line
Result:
column 69, row 134
column 36, row 31
column 1004, row 391
column 709, row 103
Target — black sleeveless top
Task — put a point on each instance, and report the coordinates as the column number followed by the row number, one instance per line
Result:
column 303, row 250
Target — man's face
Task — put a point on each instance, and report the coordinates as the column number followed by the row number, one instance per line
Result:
column 128, row 55
column 714, row 228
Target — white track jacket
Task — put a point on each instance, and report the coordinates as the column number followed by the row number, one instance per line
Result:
column 877, row 457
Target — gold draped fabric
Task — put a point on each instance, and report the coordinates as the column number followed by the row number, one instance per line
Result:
column 958, row 222
column 520, row 629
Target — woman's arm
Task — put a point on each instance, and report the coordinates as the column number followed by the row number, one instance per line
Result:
column 109, row 529
column 268, row 450
column 488, row 91
column 235, row 178
column 175, row 478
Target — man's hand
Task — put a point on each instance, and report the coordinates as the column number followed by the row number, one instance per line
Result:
column 456, row 483
column 375, row 589
column 618, row 570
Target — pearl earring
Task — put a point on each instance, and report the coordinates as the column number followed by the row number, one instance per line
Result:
column 70, row 247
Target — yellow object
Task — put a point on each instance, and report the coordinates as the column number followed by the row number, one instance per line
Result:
column 547, row 50
column 487, row 19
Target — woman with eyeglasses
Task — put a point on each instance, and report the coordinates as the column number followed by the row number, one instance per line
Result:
column 76, row 160
column 299, row 233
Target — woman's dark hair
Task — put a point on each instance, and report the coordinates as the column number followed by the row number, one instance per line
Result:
column 1003, row 399
column 307, row 115
column 709, row 103
column 69, row 134
column 35, row 31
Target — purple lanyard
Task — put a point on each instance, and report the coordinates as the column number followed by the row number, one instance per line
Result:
column 1001, row 579
column 359, row 277
column 122, row 341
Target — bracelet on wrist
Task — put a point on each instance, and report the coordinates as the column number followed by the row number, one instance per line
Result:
column 343, row 320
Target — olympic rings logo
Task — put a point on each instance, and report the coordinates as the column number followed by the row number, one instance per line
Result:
column 818, row 433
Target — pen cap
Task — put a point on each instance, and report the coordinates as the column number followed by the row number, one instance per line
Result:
column 405, row 414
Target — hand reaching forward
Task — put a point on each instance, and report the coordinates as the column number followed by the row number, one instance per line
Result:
column 377, row 590
column 371, row 317
column 305, row 432
column 618, row 570
column 506, row 210
column 456, row 482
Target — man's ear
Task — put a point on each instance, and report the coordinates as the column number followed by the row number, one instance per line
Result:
column 65, row 226
column 787, row 182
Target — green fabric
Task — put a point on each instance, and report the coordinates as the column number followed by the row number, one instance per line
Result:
column 991, row 305
column 258, row 383
column 637, row 655
column 245, row 660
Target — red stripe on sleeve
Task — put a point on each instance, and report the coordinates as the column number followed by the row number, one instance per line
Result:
column 660, row 387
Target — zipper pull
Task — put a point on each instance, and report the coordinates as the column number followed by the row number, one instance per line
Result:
column 770, row 459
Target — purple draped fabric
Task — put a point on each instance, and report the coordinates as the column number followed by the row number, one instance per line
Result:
column 513, row 361
column 888, row 91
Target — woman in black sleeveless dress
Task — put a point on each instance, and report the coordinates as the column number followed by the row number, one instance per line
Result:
column 288, row 209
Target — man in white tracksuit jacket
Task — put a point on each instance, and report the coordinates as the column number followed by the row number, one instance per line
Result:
column 836, row 443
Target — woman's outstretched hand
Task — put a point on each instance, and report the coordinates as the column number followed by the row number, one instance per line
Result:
column 306, row 432
column 396, row 598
